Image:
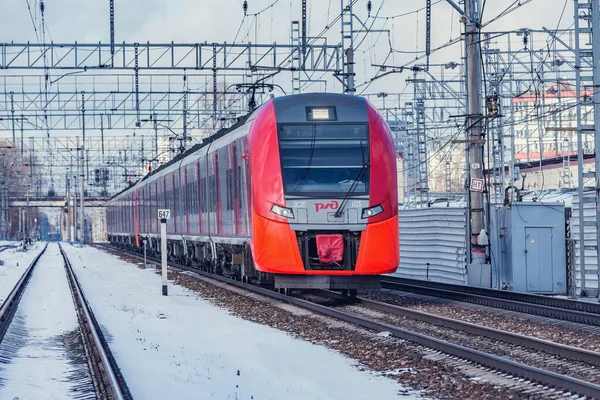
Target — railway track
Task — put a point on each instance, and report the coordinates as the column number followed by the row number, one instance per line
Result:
column 106, row 377
column 557, row 349
column 538, row 376
column 545, row 306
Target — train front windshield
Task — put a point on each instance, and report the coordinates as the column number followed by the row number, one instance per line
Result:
column 324, row 159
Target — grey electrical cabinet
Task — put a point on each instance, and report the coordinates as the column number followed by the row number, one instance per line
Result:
column 529, row 248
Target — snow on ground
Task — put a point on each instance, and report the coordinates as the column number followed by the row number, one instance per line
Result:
column 184, row 347
column 39, row 357
column 15, row 263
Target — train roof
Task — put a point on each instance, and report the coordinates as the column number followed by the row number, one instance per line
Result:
column 205, row 142
column 344, row 108
column 349, row 108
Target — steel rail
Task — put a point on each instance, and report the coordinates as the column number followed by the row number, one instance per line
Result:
column 541, row 376
column 530, row 342
column 582, row 317
column 567, row 304
column 11, row 303
column 108, row 379
column 8, row 246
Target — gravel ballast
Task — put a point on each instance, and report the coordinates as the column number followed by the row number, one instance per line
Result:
column 436, row 375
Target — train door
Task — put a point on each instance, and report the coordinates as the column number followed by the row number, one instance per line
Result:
column 191, row 198
column 229, row 220
column 145, row 199
column 153, row 202
column 175, row 201
column 212, row 194
column 246, row 186
column 162, row 193
column 218, row 203
column 168, row 201
column 182, row 196
column 236, row 190
column 142, row 209
column 200, row 199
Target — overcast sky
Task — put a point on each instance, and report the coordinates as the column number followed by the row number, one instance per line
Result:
column 219, row 20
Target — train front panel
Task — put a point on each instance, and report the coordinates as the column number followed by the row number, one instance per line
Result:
column 324, row 188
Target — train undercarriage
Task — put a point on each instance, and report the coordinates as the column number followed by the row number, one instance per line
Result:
column 235, row 261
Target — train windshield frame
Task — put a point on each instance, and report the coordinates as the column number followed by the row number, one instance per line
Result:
column 324, row 159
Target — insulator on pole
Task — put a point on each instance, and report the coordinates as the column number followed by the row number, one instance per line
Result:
column 245, row 7
column 369, row 7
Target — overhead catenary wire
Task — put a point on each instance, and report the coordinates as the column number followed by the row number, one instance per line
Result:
column 456, row 40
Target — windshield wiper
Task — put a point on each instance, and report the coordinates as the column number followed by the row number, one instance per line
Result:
column 365, row 165
column 310, row 157
column 353, row 187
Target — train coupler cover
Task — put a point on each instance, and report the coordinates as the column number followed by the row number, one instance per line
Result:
column 330, row 248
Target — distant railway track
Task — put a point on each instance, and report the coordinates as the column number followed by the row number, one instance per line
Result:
column 107, row 378
column 550, row 307
column 539, row 376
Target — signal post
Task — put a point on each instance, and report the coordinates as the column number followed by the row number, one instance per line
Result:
column 163, row 216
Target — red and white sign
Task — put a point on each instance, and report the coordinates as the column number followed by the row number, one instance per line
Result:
column 476, row 185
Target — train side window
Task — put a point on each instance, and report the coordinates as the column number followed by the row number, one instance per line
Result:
column 204, row 195
column 238, row 194
column 215, row 189
column 197, row 196
column 202, row 183
column 211, row 191
column 190, row 198
column 185, row 199
column 229, row 194
column 194, row 189
column 211, row 196
column 215, row 186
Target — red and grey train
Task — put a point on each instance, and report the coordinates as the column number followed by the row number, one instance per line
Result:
column 301, row 193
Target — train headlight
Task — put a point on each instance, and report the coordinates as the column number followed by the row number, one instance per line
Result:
column 282, row 211
column 371, row 211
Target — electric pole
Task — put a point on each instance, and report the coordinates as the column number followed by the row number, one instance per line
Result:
column 82, row 171
column 347, row 32
column 303, row 32
column 112, row 33
column 474, row 127
column 596, row 57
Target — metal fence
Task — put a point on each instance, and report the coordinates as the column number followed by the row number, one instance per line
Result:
column 591, row 264
column 432, row 244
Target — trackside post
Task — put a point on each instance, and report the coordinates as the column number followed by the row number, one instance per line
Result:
column 145, row 262
column 164, row 215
